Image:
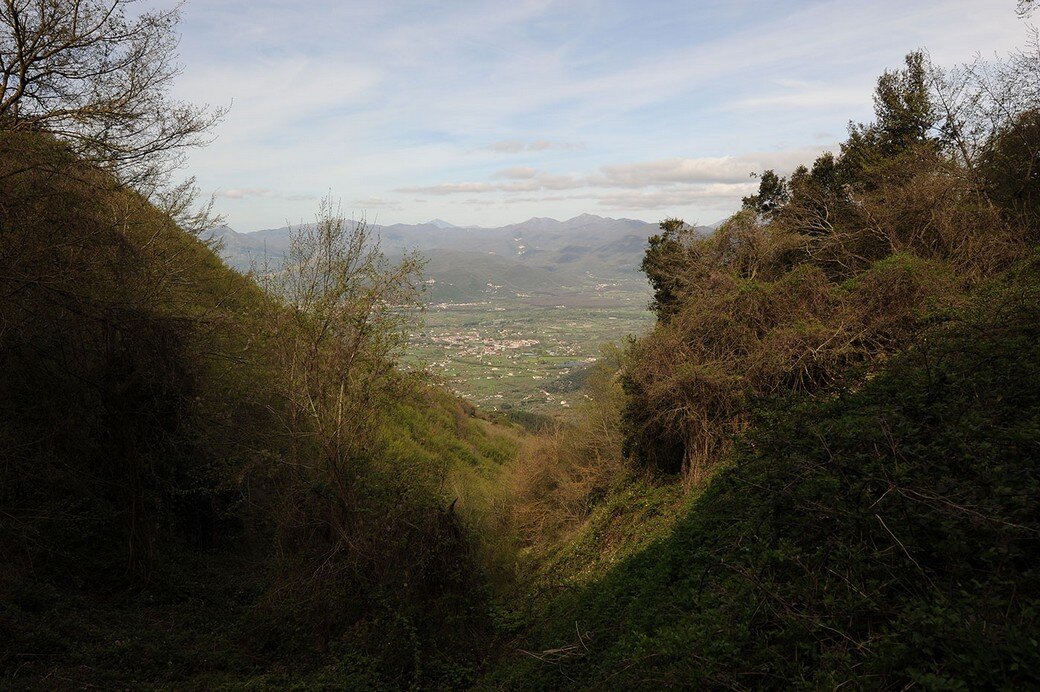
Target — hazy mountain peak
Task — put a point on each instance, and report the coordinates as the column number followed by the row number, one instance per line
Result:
column 541, row 256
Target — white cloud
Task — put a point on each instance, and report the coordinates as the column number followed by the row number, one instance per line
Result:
column 257, row 192
column 517, row 173
column 515, row 146
column 671, row 171
column 451, row 189
column 672, row 197
column 526, row 180
column 241, row 193
column 377, row 203
column 702, row 169
column 637, row 175
column 808, row 95
column 380, row 99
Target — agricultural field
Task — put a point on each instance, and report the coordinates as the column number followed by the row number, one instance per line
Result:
column 524, row 354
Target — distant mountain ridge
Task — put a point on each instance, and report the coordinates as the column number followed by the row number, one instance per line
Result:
column 540, row 256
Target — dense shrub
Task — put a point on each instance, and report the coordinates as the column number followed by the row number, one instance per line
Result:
column 885, row 536
column 560, row 474
column 826, row 274
column 116, row 346
column 690, row 382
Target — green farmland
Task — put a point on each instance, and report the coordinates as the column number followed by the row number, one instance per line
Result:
column 504, row 355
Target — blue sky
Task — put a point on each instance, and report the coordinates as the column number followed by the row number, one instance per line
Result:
column 491, row 112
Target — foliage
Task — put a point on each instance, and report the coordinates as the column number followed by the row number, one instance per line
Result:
column 157, row 408
column 1011, row 169
column 119, row 379
column 903, row 107
column 100, row 80
column 883, row 536
column 662, row 253
column 564, row 471
column 691, row 381
column 211, row 480
column 331, row 346
column 773, row 194
column 845, row 371
column 825, row 274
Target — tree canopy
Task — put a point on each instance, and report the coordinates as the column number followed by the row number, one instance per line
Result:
column 98, row 77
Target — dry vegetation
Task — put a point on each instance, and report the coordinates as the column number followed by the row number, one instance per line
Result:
column 824, row 275
column 809, row 290
column 562, row 473
column 843, row 379
column 157, row 407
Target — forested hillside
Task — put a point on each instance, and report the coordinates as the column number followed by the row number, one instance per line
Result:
column 180, row 443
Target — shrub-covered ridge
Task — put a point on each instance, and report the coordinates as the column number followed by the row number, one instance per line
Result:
column 884, row 536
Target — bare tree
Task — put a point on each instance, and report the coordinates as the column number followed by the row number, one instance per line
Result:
column 341, row 319
column 991, row 118
column 99, row 79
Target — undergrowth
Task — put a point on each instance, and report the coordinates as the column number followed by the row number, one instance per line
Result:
column 884, row 536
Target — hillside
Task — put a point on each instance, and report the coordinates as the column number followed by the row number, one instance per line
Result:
column 886, row 534
column 818, row 469
column 463, row 276
column 183, row 503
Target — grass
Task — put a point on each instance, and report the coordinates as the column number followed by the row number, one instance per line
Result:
column 626, row 521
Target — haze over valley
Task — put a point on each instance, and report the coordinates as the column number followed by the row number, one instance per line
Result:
column 539, row 259
column 517, row 314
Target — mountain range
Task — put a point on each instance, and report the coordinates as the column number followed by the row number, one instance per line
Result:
column 540, row 257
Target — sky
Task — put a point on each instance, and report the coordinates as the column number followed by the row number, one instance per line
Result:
column 489, row 112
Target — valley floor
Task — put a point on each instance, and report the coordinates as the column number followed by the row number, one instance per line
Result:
column 505, row 355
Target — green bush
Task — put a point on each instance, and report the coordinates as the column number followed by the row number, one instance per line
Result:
column 884, row 536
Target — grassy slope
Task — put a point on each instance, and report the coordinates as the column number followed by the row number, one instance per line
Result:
column 886, row 535
column 206, row 622
column 70, row 613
